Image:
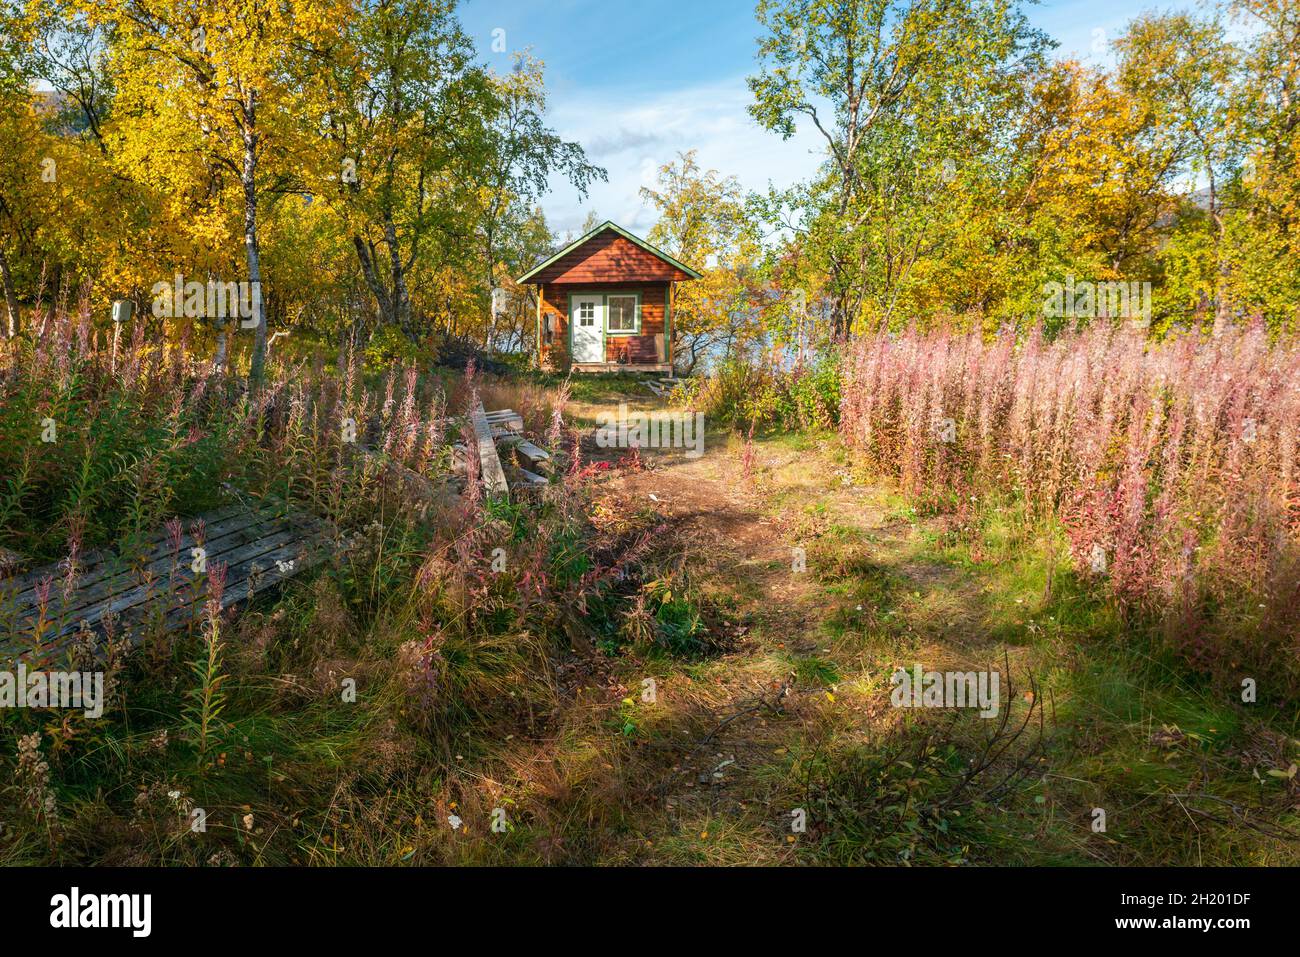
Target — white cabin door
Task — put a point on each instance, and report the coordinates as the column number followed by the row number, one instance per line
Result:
column 588, row 329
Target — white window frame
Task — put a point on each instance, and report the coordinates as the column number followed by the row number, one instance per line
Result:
column 635, row 296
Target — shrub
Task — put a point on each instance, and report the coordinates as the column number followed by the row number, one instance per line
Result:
column 740, row 393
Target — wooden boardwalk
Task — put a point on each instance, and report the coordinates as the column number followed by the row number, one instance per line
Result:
column 153, row 585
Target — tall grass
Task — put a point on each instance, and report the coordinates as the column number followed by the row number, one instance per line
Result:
column 101, row 445
column 435, row 628
column 1173, row 466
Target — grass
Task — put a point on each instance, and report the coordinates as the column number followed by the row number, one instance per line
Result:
column 599, row 387
column 1186, row 773
column 653, row 682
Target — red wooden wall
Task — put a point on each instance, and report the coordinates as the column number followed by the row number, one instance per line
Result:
column 608, row 257
column 555, row 303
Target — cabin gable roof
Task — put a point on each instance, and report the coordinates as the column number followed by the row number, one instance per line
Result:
column 609, row 253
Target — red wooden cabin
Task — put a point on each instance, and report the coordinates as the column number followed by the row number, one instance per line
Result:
column 605, row 304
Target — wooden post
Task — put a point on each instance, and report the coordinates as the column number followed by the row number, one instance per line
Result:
column 122, row 309
column 668, row 327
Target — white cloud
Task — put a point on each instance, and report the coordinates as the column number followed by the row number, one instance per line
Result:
column 632, row 137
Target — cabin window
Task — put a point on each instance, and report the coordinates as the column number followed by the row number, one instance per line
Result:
column 622, row 313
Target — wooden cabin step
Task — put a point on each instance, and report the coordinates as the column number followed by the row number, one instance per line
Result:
column 617, row 367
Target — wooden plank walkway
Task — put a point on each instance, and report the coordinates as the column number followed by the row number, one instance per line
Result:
column 153, row 583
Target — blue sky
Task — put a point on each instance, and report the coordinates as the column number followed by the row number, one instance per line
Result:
column 637, row 81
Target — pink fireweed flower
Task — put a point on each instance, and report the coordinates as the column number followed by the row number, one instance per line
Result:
column 71, row 565
column 175, row 532
column 42, row 589
column 216, row 589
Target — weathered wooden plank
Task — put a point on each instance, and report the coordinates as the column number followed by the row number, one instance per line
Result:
column 494, row 478
column 93, row 585
column 506, row 418
column 123, row 602
column 95, row 564
column 105, row 575
column 277, row 545
column 532, row 478
column 303, row 558
column 530, row 454
column 298, row 556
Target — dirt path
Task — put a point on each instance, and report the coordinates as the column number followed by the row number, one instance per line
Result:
column 783, row 543
column 815, row 584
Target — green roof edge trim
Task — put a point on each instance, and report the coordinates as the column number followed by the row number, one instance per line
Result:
column 607, row 224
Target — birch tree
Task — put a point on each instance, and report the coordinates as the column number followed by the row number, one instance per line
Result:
column 207, row 97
